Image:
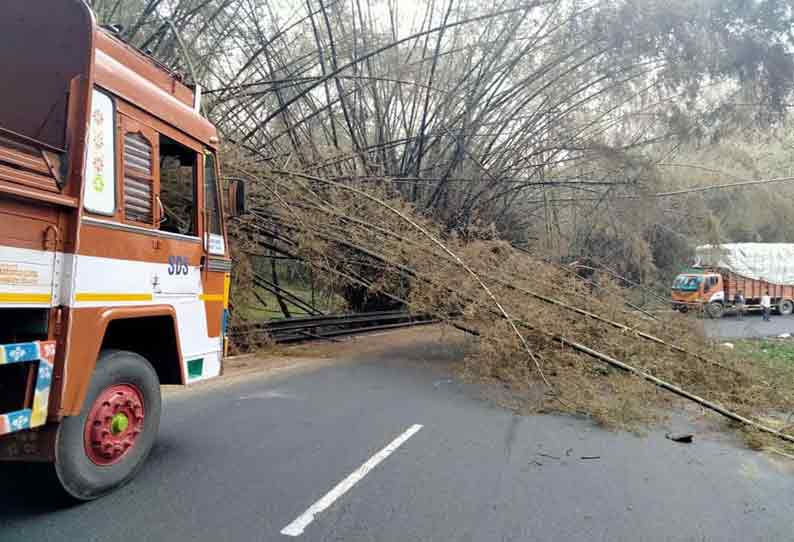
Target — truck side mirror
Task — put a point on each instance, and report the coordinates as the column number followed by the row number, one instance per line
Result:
column 238, row 197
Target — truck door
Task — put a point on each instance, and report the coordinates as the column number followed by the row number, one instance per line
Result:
column 162, row 193
column 712, row 290
column 177, row 212
column 159, row 183
column 180, row 216
column 218, row 266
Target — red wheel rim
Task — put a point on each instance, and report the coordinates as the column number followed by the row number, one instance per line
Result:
column 114, row 424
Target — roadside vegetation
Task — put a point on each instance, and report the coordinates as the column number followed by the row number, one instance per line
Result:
column 775, row 357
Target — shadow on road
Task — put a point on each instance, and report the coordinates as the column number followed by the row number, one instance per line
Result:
column 29, row 489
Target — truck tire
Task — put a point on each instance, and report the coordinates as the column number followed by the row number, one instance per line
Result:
column 714, row 310
column 785, row 307
column 105, row 446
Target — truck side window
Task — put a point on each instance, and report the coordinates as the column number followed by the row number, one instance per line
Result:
column 211, row 195
column 177, row 187
column 215, row 241
column 711, row 282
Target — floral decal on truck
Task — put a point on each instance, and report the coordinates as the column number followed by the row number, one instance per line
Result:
column 100, row 171
column 98, row 141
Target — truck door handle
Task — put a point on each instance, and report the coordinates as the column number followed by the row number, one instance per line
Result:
column 162, row 210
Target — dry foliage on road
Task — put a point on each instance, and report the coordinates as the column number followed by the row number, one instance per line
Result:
column 531, row 316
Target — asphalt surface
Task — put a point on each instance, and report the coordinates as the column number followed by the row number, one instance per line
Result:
column 239, row 461
column 752, row 326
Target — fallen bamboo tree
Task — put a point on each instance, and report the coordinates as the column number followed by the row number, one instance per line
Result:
column 323, row 217
column 443, row 247
column 623, row 279
column 675, row 389
column 506, row 284
column 618, row 325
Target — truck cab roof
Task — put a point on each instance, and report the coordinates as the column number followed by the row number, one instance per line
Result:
column 133, row 76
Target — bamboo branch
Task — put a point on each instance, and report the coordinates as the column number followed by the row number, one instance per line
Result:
column 443, row 247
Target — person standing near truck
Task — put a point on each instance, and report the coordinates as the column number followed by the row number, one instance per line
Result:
column 766, row 305
column 738, row 302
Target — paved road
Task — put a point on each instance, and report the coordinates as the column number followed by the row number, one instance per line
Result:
column 241, row 461
column 751, row 327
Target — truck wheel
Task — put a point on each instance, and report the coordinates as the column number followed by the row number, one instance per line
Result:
column 103, row 447
column 786, row 307
column 714, row 310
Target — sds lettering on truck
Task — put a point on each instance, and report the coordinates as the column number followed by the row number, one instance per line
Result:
column 177, row 265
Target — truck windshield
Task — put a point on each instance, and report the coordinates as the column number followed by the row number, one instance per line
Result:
column 687, row 283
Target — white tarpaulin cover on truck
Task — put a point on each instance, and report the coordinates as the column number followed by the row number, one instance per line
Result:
column 772, row 262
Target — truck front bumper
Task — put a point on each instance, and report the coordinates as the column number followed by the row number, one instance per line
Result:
column 685, row 306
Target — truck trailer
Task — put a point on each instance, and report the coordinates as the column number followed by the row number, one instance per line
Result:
column 719, row 272
column 114, row 262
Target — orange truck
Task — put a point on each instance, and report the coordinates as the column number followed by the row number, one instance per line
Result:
column 114, row 263
column 720, row 272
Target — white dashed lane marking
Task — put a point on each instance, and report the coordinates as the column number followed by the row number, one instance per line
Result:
column 297, row 527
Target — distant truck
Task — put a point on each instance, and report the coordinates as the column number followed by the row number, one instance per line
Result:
column 720, row 271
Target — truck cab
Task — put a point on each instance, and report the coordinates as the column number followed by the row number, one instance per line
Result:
column 696, row 290
column 114, row 262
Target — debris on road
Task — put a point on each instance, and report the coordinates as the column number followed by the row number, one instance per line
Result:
column 680, row 437
column 549, row 456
